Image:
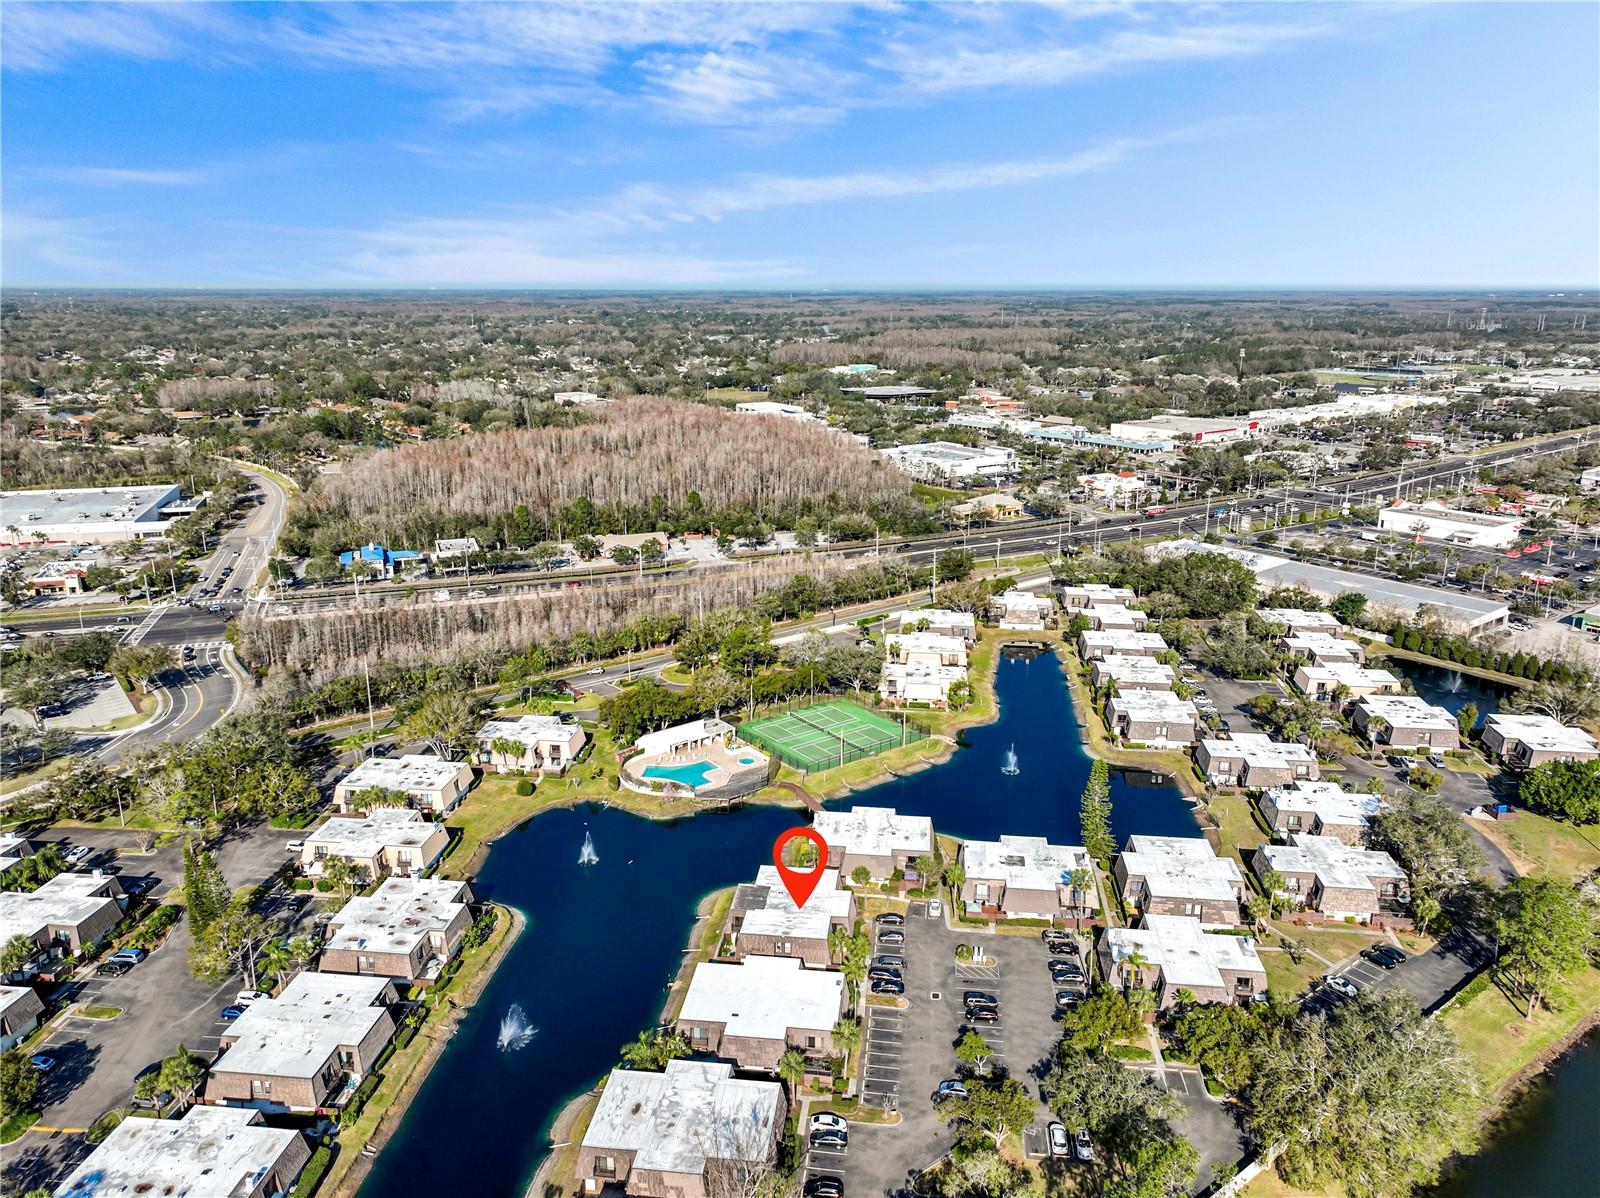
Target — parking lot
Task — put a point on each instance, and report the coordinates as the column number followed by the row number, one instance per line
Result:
column 907, row 1053
column 1431, row 976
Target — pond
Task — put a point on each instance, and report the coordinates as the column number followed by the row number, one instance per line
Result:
column 603, row 942
column 1549, row 1145
column 1451, row 689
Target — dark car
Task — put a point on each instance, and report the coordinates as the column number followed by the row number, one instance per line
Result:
column 113, row 969
column 1066, row 998
column 887, row 986
column 825, row 1187
column 229, row 1014
column 1385, row 955
column 982, row 1015
column 889, row 961
column 980, row 998
column 891, row 937
column 885, row 974
column 1069, row 970
column 1064, row 948
column 138, row 886
column 829, row 1137
column 890, row 919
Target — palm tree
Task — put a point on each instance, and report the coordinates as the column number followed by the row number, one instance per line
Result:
column 506, row 750
column 277, row 958
column 847, row 1035
column 792, row 1071
column 1134, row 963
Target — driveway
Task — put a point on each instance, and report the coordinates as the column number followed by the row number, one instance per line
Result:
column 1432, row 976
column 1208, row 1123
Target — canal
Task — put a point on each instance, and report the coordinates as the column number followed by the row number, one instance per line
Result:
column 603, row 942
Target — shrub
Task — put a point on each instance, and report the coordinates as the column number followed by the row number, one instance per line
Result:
column 524, row 787
column 1128, row 1052
column 311, row 1176
column 301, row 884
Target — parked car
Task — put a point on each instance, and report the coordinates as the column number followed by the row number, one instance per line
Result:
column 245, row 997
column 983, row 1015
column 890, row 919
column 1082, row 1145
column 1343, row 986
column 138, row 886
column 592, row 670
column 883, row 973
column 295, row 846
column 1060, row 1143
column 887, row 986
column 935, row 909
column 113, row 969
column 827, row 1119
column 229, row 1014
column 1436, row 760
column 1066, row 998
column 42, row 1063
column 828, row 1138
column 1386, row 955
column 1064, row 948
column 78, row 854
column 131, row 955
column 951, row 1088
column 1069, row 971
column 891, row 938
column 889, row 961
column 980, row 998
column 156, row 1102
column 825, row 1186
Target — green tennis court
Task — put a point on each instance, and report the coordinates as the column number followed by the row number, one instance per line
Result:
column 826, row 735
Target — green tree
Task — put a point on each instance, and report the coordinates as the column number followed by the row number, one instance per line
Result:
column 229, row 943
column 984, row 1173
column 1094, row 813
column 205, row 890
column 1429, row 841
column 653, row 1050
column 973, row 1050
column 1467, row 719
column 181, row 1074
column 860, row 875
column 1103, row 1017
column 1547, row 932
column 847, row 1035
column 792, row 1071
column 445, row 720
column 1391, row 1095
column 1222, row 1038
column 19, row 1083
column 1348, row 606
column 993, row 1107
column 16, row 954
column 1564, row 790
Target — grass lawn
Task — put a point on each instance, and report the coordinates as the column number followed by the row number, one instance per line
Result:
column 1270, row 1185
column 1237, row 831
column 1470, row 765
column 1099, row 743
column 48, row 770
column 1338, row 942
column 841, row 780
column 1287, row 979
column 15, row 1126
column 99, row 1012
column 1538, row 845
column 1502, row 1043
column 709, row 918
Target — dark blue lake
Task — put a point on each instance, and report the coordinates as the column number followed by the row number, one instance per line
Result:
column 1449, row 688
column 603, row 943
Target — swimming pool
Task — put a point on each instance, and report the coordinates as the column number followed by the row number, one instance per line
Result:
column 747, row 761
column 693, row 773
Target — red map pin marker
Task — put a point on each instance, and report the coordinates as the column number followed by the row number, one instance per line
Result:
column 800, row 884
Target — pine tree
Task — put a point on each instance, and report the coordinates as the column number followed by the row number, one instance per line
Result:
column 1094, row 813
column 205, row 891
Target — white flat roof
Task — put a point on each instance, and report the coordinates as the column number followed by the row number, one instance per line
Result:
column 1026, row 862
column 1543, row 733
column 1350, row 673
column 1328, row 801
column 1123, row 668
column 1333, row 862
column 1121, row 638
column 530, row 730
column 1259, row 749
column 83, row 505
column 368, row 835
column 294, row 1034
column 393, row 918
column 674, row 1120
column 1298, row 620
column 1407, row 711
column 780, row 917
column 1186, row 953
column 1321, row 642
column 212, row 1152
column 66, row 900
column 667, row 739
column 949, row 453
column 928, row 642
column 763, row 997
column 875, row 831
column 412, row 773
column 937, row 615
column 1154, row 705
column 1181, row 867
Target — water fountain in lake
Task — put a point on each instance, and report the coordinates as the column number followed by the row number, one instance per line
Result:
column 587, row 855
column 514, row 1030
column 1452, row 682
column 1011, row 767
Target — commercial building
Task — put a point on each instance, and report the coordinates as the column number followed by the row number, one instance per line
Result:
column 68, row 913
column 768, row 407
column 753, row 1011
column 1123, row 486
column 1179, row 875
column 546, row 743
column 379, row 561
column 877, row 839
column 407, row 930
column 764, row 921
column 449, row 548
column 1151, row 717
column 1169, row 953
column 429, row 783
column 1255, row 760
column 1524, row 741
column 307, row 1049
column 937, row 620
column 389, row 840
column 1439, row 522
column 1406, row 722
column 1319, row 809
column 20, row 1011
column 1092, row 645
column 891, row 393
column 1026, row 877
column 212, row 1152
column 90, row 515
column 1335, row 879
column 945, row 461
column 1021, row 611
column 995, row 506
column 1466, row 613
column 1202, row 430
column 60, row 578
column 1324, row 682
column 1132, row 673
column 1589, row 480
column 664, row 1135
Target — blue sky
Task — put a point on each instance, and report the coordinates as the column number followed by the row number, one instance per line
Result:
column 801, row 145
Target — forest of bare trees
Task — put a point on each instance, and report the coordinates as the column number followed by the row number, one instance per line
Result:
column 646, row 456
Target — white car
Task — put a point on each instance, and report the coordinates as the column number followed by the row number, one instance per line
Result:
column 245, row 997
column 596, row 670
column 935, row 909
column 79, row 854
column 1060, row 1143
column 828, row 1121
column 1343, row 986
column 295, row 846
column 1083, row 1146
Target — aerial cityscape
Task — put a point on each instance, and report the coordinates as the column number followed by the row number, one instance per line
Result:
column 779, row 600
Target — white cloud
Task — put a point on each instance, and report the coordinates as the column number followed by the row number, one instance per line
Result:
column 66, row 243
column 742, row 87
column 49, row 37
column 115, row 176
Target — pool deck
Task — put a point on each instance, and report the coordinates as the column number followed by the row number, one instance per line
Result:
column 721, row 765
